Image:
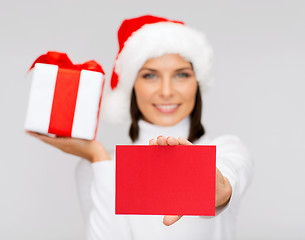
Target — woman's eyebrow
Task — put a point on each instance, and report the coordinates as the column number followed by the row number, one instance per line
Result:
column 150, row 69
column 177, row 70
column 185, row 68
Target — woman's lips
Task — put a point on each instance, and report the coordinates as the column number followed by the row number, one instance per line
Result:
column 166, row 108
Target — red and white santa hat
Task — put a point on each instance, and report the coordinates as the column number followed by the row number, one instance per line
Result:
column 147, row 37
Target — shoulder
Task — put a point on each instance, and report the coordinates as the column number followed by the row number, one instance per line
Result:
column 225, row 144
column 223, row 139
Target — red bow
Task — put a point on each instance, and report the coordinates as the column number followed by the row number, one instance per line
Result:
column 63, row 61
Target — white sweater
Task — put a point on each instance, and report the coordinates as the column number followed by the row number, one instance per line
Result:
column 96, row 191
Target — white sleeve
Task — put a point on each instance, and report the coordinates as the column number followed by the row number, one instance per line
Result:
column 83, row 179
column 234, row 162
column 102, row 222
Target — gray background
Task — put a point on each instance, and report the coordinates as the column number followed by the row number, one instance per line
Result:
column 257, row 95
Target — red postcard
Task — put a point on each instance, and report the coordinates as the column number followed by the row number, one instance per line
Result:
column 165, row 180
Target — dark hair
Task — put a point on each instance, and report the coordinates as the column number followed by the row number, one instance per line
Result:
column 196, row 128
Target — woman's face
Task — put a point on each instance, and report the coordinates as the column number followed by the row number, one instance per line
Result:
column 165, row 89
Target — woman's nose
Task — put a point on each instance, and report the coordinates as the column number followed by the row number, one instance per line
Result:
column 166, row 87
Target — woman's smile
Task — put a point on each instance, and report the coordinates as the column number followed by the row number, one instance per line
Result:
column 166, row 108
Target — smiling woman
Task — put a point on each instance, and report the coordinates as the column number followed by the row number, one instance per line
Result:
column 159, row 73
column 165, row 92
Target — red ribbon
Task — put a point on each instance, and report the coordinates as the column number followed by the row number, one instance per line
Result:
column 64, row 102
column 62, row 61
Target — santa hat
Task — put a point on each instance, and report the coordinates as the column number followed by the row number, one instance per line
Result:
column 148, row 37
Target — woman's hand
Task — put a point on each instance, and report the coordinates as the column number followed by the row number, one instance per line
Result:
column 223, row 186
column 91, row 150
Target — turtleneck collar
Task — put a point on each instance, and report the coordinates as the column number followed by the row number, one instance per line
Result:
column 149, row 131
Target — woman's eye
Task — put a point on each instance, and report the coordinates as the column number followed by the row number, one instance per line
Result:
column 183, row 75
column 149, row 76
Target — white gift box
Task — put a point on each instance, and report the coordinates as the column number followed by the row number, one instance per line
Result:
column 64, row 102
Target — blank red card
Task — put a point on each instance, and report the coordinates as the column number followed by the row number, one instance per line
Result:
column 165, row 180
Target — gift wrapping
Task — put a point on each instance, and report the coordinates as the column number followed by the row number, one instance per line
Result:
column 65, row 98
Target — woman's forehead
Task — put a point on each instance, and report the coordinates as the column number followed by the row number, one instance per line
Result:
column 167, row 61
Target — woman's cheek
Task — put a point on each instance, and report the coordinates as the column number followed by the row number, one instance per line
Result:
column 188, row 98
column 188, row 91
column 144, row 96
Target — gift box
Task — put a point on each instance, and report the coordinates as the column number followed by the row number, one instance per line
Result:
column 65, row 98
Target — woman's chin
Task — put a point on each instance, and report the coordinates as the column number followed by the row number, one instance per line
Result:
column 165, row 116
column 166, row 121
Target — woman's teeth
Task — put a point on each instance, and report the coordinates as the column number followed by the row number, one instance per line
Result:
column 168, row 108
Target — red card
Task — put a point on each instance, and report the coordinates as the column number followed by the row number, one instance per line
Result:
column 165, row 180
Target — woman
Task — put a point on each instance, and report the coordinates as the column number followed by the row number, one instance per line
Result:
column 164, row 66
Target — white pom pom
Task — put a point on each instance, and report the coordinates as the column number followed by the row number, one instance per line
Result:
column 115, row 107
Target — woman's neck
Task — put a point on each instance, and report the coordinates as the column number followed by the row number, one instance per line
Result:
column 149, row 130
